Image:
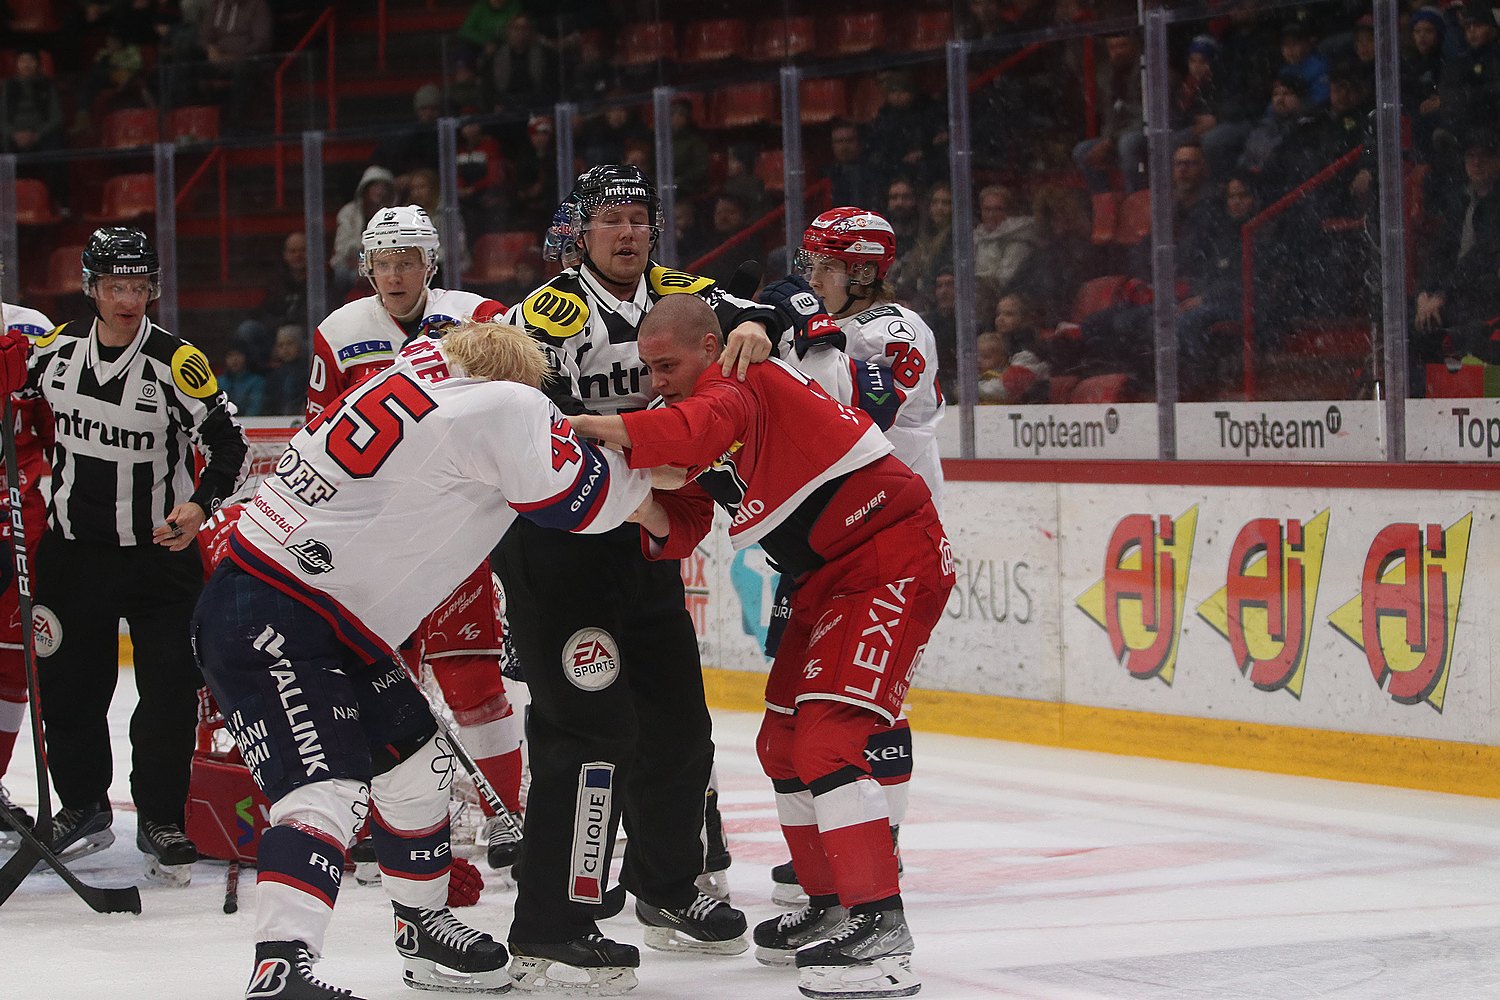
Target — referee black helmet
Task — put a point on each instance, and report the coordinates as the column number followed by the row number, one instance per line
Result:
column 122, row 251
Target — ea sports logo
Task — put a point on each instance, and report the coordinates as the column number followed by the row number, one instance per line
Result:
column 46, row 630
column 591, row 659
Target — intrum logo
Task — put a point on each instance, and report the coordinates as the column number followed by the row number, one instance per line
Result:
column 1139, row 600
column 1405, row 616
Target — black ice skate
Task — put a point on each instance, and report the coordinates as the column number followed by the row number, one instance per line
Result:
column 705, row 926
column 77, row 833
column 366, row 865
column 716, row 860
column 867, row 955
column 589, row 966
column 283, row 970
column 8, row 836
column 786, row 891
column 501, row 844
column 471, row 961
column 777, row 939
column 169, row 854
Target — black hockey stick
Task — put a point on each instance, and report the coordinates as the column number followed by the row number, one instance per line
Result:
column 232, row 886
column 481, row 783
column 32, row 851
column 745, row 281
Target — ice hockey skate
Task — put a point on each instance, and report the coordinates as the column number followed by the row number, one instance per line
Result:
column 9, row 839
column 77, row 833
column 777, row 939
column 366, row 866
column 443, row 953
column 867, row 955
column 283, row 969
column 705, row 926
column 169, row 854
column 589, row 966
column 501, row 845
column 715, row 884
column 785, row 890
column 716, row 860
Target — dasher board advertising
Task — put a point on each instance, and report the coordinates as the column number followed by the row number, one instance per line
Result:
column 1453, row 430
column 1073, row 432
column 1328, row 431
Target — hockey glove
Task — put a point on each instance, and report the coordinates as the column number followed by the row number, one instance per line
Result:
column 14, row 348
column 464, row 884
column 802, row 311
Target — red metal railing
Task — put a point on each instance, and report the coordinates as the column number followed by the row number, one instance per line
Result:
column 214, row 159
column 1004, row 66
column 819, row 193
column 1247, row 250
column 328, row 21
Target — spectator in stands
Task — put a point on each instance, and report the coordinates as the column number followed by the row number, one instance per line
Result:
column 1319, row 139
column 1122, row 137
column 1287, row 109
column 740, row 178
column 286, row 380
column 1249, row 59
column 908, row 135
column 415, row 145
column 904, row 214
column 480, row 35
column 1211, row 113
column 536, row 176
column 1470, row 88
column 1004, row 241
column 285, row 303
column 729, row 218
column 850, row 173
column 943, row 319
column 1065, row 256
column 233, row 34
column 523, row 71
column 1209, row 264
column 113, row 81
column 1011, row 369
column 421, row 188
column 483, row 179
column 31, row 115
column 1421, row 77
column 689, row 152
column 984, row 20
column 1300, row 55
column 932, row 249
column 246, row 389
column 1458, row 272
column 693, row 239
column 376, row 190
column 604, row 136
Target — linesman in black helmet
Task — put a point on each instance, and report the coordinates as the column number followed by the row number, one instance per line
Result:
column 618, row 720
column 131, row 402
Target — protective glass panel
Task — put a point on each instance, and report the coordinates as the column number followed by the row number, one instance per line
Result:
column 506, row 169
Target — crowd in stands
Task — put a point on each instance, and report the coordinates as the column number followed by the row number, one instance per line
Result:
column 1266, row 105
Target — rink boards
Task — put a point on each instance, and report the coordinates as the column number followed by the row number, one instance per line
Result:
column 1324, row 620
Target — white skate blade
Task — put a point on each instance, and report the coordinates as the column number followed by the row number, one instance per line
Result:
column 542, row 975
column 776, row 957
column 788, row 895
column 174, row 876
column 715, row 884
column 423, row 974
column 670, row 939
column 367, row 872
column 887, row 976
column 92, row 844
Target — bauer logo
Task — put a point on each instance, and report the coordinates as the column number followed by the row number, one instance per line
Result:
column 46, row 630
column 590, row 831
column 1139, row 600
column 591, row 659
column 1265, row 608
column 1405, row 616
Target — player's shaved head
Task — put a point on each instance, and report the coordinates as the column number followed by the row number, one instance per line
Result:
column 686, row 319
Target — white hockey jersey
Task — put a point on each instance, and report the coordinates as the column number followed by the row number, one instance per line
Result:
column 360, row 338
column 378, row 509
column 899, row 341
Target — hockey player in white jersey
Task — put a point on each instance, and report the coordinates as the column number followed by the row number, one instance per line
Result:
column 371, row 518
column 399, row 255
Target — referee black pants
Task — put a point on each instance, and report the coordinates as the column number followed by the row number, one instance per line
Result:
column 649, row 726
column 83, row 589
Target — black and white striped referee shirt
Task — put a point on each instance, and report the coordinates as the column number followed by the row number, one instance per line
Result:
column 126, row 430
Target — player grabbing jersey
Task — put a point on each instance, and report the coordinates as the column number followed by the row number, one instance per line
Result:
column 464, row 640
column 33, row 432
column 371, row 519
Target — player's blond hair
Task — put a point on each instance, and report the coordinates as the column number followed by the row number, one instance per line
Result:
column 496, row 352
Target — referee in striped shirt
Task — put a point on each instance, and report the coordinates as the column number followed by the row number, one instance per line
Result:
column 130, row 402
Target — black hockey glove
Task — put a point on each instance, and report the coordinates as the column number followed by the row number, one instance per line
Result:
column 798, row 308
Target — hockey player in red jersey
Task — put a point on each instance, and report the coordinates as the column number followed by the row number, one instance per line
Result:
column 813, row 481
column 297, row 630
column 33, row 432
column 463, row 640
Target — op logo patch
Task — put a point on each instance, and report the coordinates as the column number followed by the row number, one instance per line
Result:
column 591, row 659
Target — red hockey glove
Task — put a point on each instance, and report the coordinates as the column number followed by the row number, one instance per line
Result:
column 464, row 884
column 15, row 347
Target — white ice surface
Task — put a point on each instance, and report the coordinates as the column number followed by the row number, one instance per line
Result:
column 1030, row 872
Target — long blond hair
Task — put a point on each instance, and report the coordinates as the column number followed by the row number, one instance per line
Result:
column 496, row 352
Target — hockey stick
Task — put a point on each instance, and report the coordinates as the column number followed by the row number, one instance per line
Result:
column 32, row 851
column 232, row 887
column 481, row 783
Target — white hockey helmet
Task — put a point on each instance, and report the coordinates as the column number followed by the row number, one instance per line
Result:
column 399, row 228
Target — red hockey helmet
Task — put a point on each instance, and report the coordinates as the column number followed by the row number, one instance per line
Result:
column 855, row 236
